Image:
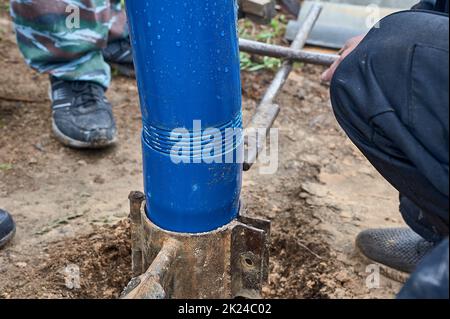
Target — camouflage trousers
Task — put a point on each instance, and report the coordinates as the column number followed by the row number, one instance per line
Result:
column 64, row 38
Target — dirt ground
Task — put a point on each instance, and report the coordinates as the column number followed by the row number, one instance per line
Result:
column 71, row 206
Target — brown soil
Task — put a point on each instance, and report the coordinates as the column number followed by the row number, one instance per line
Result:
column 71, row 206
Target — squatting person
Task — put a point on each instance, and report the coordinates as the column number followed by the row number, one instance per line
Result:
column 390, row 95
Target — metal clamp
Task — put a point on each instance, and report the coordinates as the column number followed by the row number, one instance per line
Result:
column 230, row 262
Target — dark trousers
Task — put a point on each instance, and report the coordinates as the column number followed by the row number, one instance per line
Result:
column 391, row 97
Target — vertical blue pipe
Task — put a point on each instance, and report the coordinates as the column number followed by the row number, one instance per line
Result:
column 187, row 67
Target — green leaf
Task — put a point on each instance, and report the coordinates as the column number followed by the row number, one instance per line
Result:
column 5, row 166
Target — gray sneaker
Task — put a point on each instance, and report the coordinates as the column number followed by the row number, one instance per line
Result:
column 82, row 116
column 398, row 248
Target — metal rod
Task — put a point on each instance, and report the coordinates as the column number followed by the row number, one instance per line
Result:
column 262, row 121
column 277, row 51
column 267, row 105
column 136, row 200
column 298, row 43
column 151, row 284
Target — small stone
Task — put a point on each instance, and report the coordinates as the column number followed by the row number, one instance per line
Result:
column 346, row 214
column 99, row 180
column 315, row 189
column 342, row 276
column 39, row 147
column 63, row 169
column 21, row 264
column 304, row 195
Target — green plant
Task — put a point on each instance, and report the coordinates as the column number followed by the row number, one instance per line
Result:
column 248, row 64
column 266, row 34
column 5, row 166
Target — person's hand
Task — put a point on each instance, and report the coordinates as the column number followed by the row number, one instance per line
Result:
column 349, row 46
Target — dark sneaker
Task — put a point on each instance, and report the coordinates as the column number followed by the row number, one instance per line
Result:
column 7, row 228
column 398, row 248
column 120, row 55
column 82, row 116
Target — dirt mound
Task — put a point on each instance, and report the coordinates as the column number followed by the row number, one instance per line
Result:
column 298, row 270
column 102, row 260
column 103, row 263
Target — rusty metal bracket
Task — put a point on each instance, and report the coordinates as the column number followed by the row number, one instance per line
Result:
column 230, row 262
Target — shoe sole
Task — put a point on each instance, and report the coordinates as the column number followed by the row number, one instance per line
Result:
column 68, row 141
column 7, row 238
column 391, row 273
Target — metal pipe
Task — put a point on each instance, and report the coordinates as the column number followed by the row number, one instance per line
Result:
column 267, row 104
column 153, row 283
column 186, row 57
column 298, row 43
column 277, row 51
column 136, row 200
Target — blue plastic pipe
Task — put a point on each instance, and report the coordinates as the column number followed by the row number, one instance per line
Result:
column 187, row 67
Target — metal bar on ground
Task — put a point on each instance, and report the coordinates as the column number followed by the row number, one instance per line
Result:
column 136, row 200
column 267, row 105
column 297, row 44
column 277, row 51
